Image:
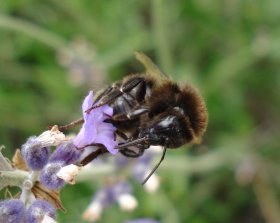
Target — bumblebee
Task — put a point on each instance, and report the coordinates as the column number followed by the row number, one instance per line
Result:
column 151, row 109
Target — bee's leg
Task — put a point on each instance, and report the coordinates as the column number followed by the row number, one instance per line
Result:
column 140, row 145
column 102, row 93
column 132, row 153
column 121, row 134
column 117, row 91
column 100, row 151
column 130, row 115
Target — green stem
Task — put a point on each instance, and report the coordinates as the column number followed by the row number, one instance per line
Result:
column 266, row 198
column 32, row 30
column 161, row 36
column 13, row 178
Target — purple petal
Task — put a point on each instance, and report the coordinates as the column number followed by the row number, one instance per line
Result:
column 86, row 136
column 108, row 110
column 94, row 129
column 88, row 102
column 108, row 143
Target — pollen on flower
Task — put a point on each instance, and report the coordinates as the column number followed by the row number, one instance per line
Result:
column 68, row 173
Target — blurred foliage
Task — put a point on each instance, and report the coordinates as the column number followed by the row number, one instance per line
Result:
column 53, row 52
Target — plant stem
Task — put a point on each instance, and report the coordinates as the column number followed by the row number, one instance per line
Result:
column 161, row 36
column 266, row 199
column 13, row 178
column 33, row 31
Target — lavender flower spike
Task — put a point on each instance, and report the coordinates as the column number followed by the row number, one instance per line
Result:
column 94, row 129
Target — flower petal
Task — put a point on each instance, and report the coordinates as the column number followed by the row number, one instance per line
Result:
column 88, row 101
column 94, row 129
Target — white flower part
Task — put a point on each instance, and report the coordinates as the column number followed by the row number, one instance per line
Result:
column 48, row 219
column 51, row 137
column 152, row 184
column 93, row 212
column 68, row 173
column 127, row 202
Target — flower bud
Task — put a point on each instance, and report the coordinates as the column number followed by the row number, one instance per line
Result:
column 49, row 178
column 35, row 155
column 127, row 202
column 65, row 153
column 152, row 184
column 93, row 212
column 51, row 137
column 68, row 173
column 38, row 210
column 12, row 211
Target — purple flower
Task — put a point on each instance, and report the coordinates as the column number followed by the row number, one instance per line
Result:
column 12, row 211
column 35, row 154
column 142, row 220
column 38, row 210
column 94, row 129
column 48, row 175
column 65, row 153
column 108, row 195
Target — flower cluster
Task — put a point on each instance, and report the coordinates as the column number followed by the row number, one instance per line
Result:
column 14, row 210
column 53, row 169
column 50, row 160
column 121, row 192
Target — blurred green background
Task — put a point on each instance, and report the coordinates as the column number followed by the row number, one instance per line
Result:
column 53, row 52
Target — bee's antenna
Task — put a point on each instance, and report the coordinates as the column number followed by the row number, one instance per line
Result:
column 155, row 168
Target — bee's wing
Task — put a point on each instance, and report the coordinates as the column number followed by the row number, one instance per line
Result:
column 151, row 68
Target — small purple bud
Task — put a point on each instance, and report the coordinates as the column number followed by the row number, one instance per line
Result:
column 65, row 153
column 12, row 211
column 104, row 197
column 38, row 209
column 108, row 195
column 122, row 188
column 35, row 155
column 48, row 175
